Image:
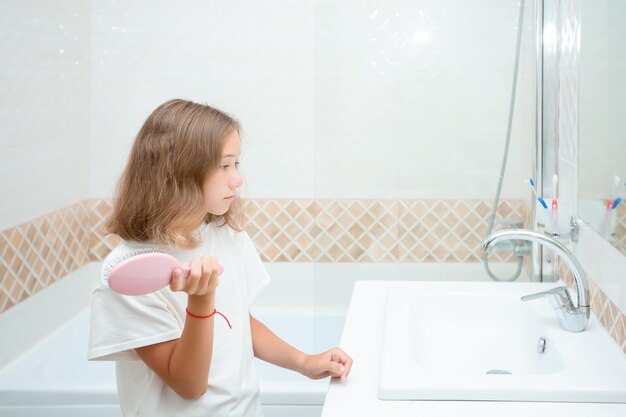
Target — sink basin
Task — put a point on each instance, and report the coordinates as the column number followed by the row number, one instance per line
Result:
column 476, row 342
column 479, row 341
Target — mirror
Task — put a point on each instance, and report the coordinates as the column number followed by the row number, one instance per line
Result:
column 602, row 129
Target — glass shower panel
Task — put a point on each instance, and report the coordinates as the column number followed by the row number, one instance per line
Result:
column 411, row 110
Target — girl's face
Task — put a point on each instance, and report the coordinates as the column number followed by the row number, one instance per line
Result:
column 220, row 188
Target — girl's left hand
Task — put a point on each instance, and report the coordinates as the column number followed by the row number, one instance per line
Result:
column 335, row 363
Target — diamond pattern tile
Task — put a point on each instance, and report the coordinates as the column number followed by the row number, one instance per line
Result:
column 101, row 243
column 38, row 253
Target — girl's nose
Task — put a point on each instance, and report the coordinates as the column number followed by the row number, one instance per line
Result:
column 236, row 180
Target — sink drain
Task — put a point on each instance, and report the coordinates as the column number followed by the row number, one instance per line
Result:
column 498, row 372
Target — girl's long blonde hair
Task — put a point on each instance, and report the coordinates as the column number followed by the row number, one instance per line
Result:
column 159, row 195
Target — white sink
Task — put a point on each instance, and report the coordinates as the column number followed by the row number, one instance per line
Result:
column 479, row 341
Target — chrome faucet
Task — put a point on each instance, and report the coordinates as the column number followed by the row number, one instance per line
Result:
column 572, row 318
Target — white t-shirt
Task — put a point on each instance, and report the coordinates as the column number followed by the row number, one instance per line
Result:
column 119, row 324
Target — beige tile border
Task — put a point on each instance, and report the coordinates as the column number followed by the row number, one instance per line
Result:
column 374, row 230
column 40, row 252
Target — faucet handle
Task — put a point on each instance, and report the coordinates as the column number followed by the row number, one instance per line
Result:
column 559, row 298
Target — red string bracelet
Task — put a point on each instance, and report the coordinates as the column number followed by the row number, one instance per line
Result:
column 210, row 315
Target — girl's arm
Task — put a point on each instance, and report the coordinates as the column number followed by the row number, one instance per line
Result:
column 270, row 348
column 183, row 364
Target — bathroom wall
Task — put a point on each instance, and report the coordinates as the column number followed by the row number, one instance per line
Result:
column 44, row 108
column 381, row 100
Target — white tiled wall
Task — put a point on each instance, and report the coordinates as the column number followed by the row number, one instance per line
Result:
column 404, row 99
column 44, row 117
column 254, row 60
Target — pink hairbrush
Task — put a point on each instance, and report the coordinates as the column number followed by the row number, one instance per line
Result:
column 143, row 272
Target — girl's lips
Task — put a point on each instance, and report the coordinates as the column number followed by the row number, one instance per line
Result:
column 232, row 197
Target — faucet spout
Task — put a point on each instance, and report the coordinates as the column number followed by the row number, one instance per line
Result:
column 575, row 319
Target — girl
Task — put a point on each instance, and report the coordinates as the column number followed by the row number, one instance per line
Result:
column 175, row 351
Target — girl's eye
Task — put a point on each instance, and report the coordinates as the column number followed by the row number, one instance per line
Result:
column 226, row 166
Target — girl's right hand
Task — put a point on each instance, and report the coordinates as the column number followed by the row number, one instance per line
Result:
column 202, row 280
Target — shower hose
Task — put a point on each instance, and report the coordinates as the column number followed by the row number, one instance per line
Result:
column 505, row 156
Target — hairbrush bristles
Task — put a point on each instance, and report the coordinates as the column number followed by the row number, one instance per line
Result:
column 121, row 258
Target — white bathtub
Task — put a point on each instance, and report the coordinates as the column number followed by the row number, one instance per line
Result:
column 53, row 379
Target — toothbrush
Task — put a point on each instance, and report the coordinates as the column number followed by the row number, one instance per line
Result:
column 555, row 204
column 617, row 200
column 616, row 181
column 611, row 204
column 541, row 200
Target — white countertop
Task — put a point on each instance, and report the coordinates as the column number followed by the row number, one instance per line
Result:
column 357, row 396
